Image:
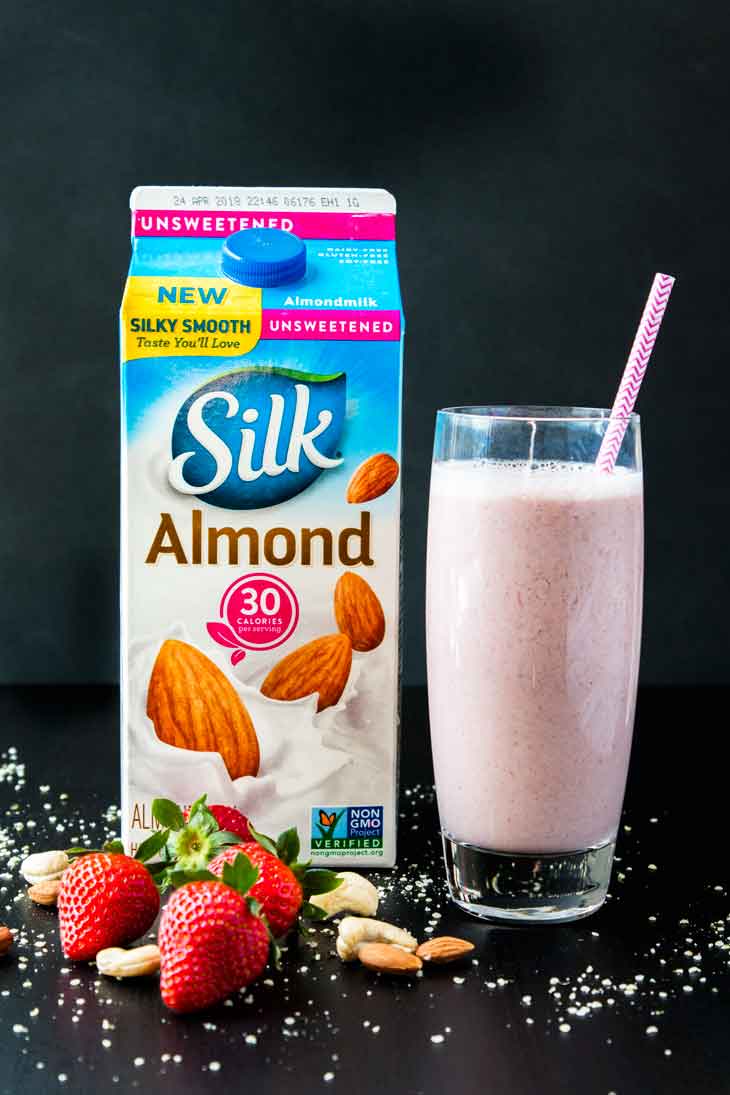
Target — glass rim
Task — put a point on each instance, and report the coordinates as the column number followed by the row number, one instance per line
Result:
column 506, row 412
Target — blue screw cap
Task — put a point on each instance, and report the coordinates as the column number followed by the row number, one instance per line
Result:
column 264, row 257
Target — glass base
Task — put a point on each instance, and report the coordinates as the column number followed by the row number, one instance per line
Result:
column 527, row 888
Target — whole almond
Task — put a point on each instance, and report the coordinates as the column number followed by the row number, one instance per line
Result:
column 321, row 666
column 444, row 948
column 194, row 706
column 374, row 477
column 358, row 612
column 386, row 958
column 45, row 893
column 137, row 962
column 6, row 939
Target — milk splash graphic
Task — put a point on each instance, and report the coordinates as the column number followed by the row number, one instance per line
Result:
column 305, row 754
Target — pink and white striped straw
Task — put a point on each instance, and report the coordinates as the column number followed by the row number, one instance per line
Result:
column 628, row 389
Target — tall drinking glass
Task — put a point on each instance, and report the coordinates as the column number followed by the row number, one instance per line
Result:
column 534, row 597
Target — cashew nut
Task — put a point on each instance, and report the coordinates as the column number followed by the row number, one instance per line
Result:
column 137, row 962
column 43, row 867
column 354, row 894
column 355, row 930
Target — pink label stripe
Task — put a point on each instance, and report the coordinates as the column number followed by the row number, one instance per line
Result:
column 331, row 324
column 217, row 224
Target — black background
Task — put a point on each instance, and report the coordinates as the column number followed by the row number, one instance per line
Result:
column 548, row 156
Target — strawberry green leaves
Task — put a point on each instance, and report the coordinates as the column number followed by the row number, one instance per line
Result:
column 168, row 814
column 176, row 879
column 265, row 841
column 185, row 846
column 288, row 846
column 309, row 911
column 316, row 881
column 111, row 847
column 151, row 846
column 241, row 874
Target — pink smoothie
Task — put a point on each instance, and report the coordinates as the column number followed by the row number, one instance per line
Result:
column 534, row 621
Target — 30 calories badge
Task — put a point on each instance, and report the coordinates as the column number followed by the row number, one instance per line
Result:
column 258, row 612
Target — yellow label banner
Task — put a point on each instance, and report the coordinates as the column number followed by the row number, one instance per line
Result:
column 164, row 316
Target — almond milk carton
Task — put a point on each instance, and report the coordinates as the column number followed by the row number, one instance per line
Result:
column 262, row 338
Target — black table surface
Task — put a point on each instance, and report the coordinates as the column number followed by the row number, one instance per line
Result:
column 631, row 1000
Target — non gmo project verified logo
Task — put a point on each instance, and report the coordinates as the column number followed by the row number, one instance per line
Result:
column 347, row 830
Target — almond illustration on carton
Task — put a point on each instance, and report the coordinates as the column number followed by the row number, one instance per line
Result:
column 358, row 612
column 374, row 477
column 194, row 706
column 322, row 665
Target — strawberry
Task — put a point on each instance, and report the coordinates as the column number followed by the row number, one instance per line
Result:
column 229, row 819
column 105, row 900
column 284, row 885
column 276, row 888
column 211, row 942
column 193, row 840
